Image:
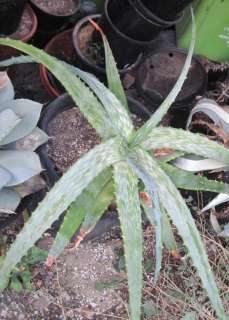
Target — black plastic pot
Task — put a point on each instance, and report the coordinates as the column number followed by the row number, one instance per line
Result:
column 166, row 9
column 84, row 44
column 128, row 31
column 10, row 15
column 159, row 73
column 49, row 22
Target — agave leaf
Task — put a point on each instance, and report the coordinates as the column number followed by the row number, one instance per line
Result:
column 9, row 120
column 30, row 142
column 9, row 200
column 183, row 220
column 29, row 113
column 114, row 82
column 6, row 88
column 22, row 165
column 128, row 203
column 196, row 164
column 188, row 142
column 153, row 213
column 220, row 199
column 5, row 177
column 91, row 203
column 189, row 181
column 30, row 186
column 156, row 118
column 213, row 111
column 81, row 94
column 65, row 191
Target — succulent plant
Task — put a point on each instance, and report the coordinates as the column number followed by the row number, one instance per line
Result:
column 19, row 137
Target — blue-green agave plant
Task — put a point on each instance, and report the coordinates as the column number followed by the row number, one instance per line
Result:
column 19, row 137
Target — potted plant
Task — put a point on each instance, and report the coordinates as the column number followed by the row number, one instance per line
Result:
column 25, row 31
column 127, row 26
column 53, row 17
column 10, row 15
column 129, row 153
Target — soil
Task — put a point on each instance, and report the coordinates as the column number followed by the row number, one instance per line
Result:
column 92, row 50
column 25, row 26
column 57, row 7
column 71, row 137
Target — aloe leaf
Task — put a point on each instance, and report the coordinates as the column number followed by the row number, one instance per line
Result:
column 183, row 220
column 22, row 165
column 128, row 203
column 114, row 81
column 65, row 191
column 28, row 112
column 156, row 118
column 6, row 89
column 189, row 181
column 81, row 94
column 188, row 142
column 167, row 232
column 9, row 120
column 91, row 203
column 17, row 60
column 154, row 213
column 119, row 118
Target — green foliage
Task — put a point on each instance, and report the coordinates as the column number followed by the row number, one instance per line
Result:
column 19, row 137
column 125, row 154
column 21, row 277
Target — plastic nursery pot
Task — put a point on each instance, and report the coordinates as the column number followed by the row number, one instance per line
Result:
column 212, row 22
column 10, row 15
column 158, row 74
column 90, row 53
column 61, row 47
column 24, row 32
column 128, row 31
column 52, row 15
column 166, row 9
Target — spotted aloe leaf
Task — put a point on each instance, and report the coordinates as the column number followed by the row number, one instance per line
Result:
column 126, row 184
column 189, row 181
column 86, row 209
column 183, row 220
column 188, row 142
column 81, row 93
column 65, row 191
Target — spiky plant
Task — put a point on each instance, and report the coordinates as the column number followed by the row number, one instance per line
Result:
column 19, row 137
column 114, row 168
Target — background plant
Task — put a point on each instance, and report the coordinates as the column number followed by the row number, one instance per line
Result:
column 19, row 137
column 115, row 166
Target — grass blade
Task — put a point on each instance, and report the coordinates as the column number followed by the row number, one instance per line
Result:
column 129, row 210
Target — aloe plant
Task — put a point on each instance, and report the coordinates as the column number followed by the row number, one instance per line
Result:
column 115, row 167
column 19, row 137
